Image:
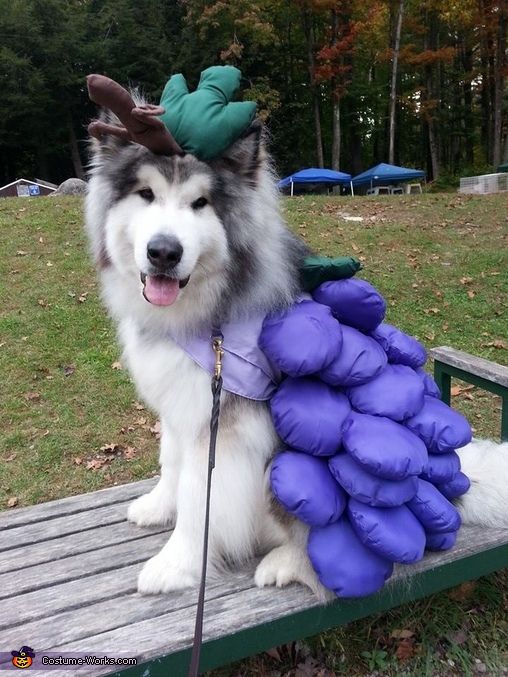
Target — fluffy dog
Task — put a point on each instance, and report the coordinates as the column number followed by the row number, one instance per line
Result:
column 183, row 246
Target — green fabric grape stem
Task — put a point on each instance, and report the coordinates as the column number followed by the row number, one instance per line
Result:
column 206, row 122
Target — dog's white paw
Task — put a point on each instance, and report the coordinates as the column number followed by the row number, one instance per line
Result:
column 280, row 567
column 151, row 510
column 161, row 575
column 289, row 564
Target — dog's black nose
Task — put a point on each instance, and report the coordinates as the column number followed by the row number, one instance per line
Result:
column 164, row 251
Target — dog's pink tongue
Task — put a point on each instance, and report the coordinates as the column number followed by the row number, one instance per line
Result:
column 160, row 290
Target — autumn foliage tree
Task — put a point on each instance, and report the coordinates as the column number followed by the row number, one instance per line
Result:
column 341, row 83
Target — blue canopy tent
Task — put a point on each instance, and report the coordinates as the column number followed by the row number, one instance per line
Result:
column 383, row 173
column 315, row 175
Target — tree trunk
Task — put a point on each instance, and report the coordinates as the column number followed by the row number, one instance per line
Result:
column 393, row 86
column 430, row 42
column 484, row 95
column 73, row 143
column 336, row 133
column 499, row 86
column 309, row 36
column 336, row 128
column 468, row 121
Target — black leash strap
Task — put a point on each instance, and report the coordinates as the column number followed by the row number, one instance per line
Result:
column 214, row 425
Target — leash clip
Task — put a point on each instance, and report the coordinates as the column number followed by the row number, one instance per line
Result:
column 217, row 347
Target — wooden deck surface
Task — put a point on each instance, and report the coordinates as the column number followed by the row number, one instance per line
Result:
column 68, row 574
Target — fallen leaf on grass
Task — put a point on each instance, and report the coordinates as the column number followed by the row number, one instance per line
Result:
column 466, row 280
column 138, row 406
column 69, row 369
column 156, row 429
column 274, row 653
column 111, row 448
column 43, row 303
column 12, row 502
column 20, row 252
column 406, row 649
column 82, row 297
column 140, row 421
column 9, row 458
column 458, row 638
column 471, row 294
column 96, row 463
column 129, row 453
column 32, row 397
column 402, row 634
column 463, row 592
column 495, row 344
column 117, row 366
column 77, row 460
column 458, row 390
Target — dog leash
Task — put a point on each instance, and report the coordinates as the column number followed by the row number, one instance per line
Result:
column 217, row 340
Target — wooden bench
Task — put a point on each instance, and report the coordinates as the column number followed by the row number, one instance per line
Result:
column 488, row 375
column 68, row 584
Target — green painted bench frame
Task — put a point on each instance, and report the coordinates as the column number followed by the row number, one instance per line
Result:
column 485, row 374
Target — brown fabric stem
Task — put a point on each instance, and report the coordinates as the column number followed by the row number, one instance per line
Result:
column 140, row 123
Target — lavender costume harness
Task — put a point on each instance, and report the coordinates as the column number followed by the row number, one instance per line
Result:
column 369, row 460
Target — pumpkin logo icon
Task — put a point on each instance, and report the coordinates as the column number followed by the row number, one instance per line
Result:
column 23, row 658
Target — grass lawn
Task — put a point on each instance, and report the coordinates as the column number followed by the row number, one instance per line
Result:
column 71, row 422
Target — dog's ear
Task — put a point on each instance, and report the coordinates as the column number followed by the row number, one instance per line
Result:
column 245, row 155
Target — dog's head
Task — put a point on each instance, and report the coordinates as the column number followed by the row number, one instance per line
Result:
column 166, row 220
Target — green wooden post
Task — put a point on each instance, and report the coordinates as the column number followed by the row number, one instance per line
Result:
column 443, row 380
column 443, row 373
column 504, row 418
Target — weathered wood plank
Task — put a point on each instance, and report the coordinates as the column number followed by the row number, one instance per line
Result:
column 125, row 609
column 228, row 614
column 72, row 544
column 74, row 504
column 69, row 524
column 165, row 623
column 491, row 371
column 79, row 566
column 45, row 602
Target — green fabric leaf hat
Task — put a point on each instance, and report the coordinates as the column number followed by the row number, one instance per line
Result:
column 206, row 122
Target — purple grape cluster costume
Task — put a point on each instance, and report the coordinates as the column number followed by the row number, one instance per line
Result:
column 370, row 462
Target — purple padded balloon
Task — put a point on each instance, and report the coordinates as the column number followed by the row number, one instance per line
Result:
column 400, row 348
column 441, row 428
column 383, row 447
column 305, row 487
column 430, row 386
column 458, row 486
column 366, row 488
column 301, row 340
column 359, row 361
column 308, row 415
column 441, row 468
column 394, row 533
column 343, row 564
column 354, row 302
column 396, row 393
column 444, row 541
column 434, row 511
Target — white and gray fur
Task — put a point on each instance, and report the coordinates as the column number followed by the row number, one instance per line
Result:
column 241, row 260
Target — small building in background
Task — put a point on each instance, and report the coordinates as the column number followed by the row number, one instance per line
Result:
column 25, row 188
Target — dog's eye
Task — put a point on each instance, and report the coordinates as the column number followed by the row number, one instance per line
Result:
column 146, row 194
column 199, row 203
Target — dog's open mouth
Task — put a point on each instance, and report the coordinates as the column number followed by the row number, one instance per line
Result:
column 161, row 290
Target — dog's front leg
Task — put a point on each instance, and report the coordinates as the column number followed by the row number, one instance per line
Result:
column 158, row 507
column 178, row 564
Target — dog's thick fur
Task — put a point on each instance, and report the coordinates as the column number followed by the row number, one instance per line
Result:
column 241, row 260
